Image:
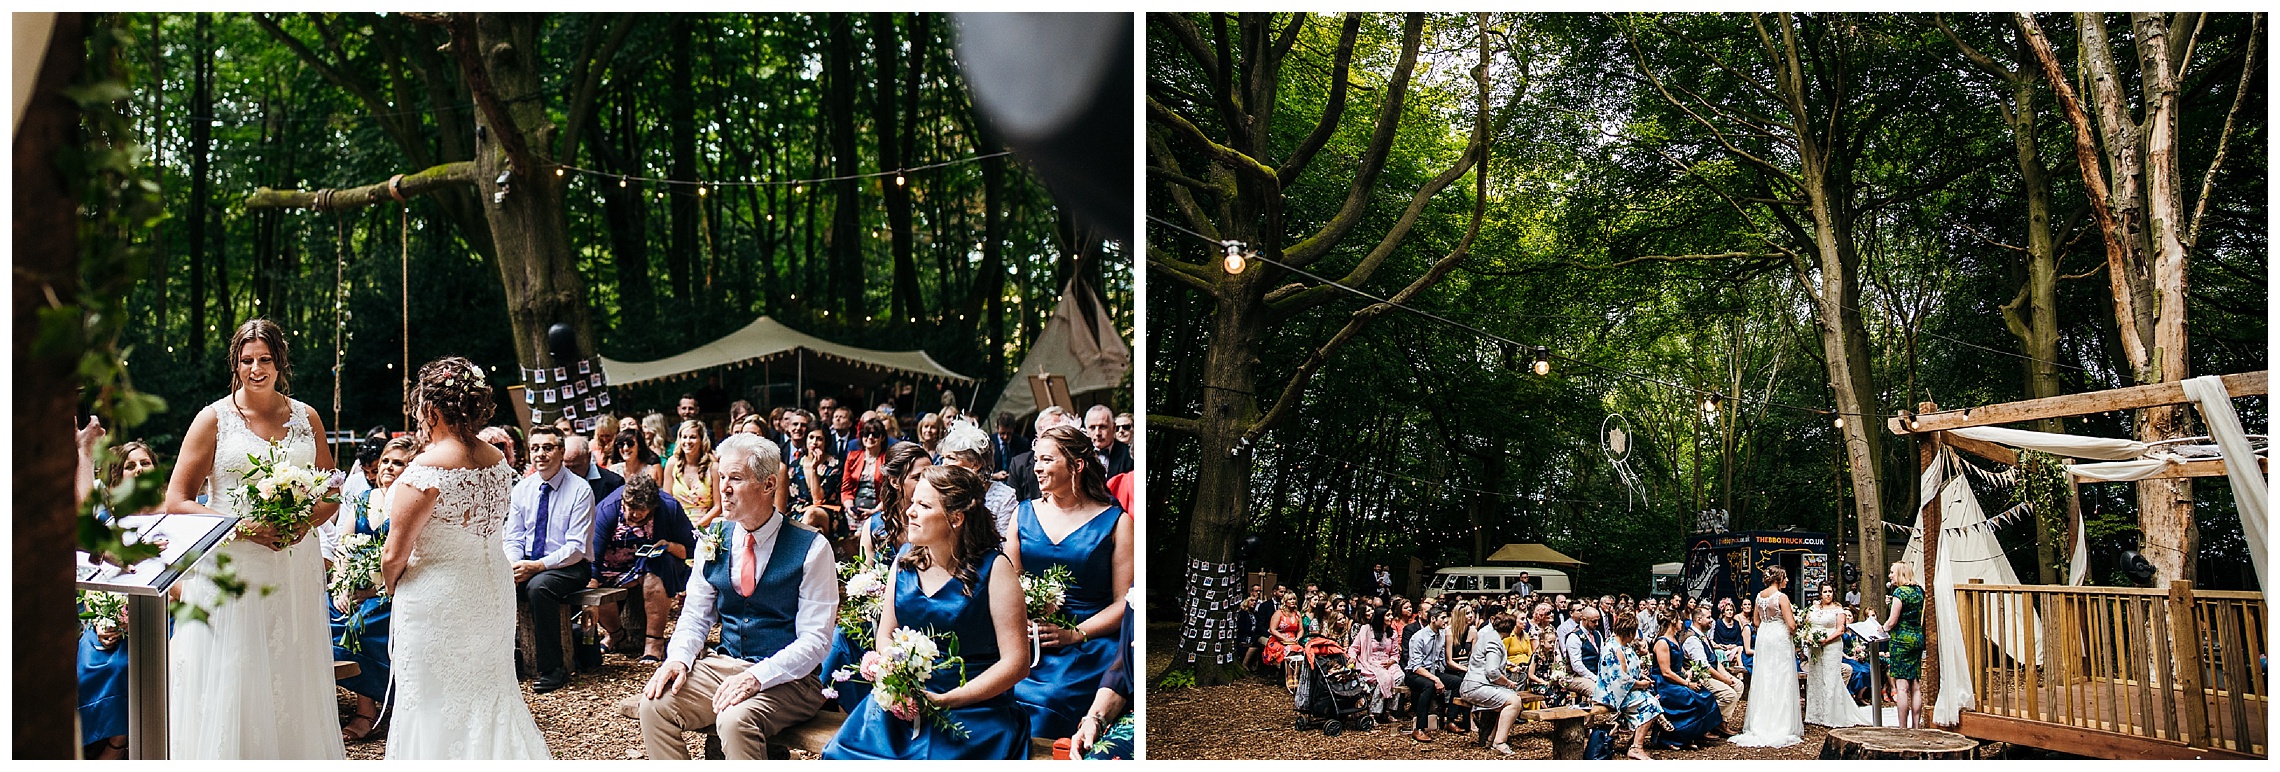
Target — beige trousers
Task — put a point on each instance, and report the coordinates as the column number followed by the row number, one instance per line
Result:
column 1727, row 697
column 744, row 728
column 1582, row 687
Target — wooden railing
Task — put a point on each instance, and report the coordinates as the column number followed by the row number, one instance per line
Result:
column 2176, row 665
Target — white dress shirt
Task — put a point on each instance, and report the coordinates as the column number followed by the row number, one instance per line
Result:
column 812, row 627
column 569, row 520
column 1573, row 645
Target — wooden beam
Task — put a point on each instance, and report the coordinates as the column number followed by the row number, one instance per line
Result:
column 2131, row 398
column 2087, row 742
column 2214, row 467
column 1983, row 449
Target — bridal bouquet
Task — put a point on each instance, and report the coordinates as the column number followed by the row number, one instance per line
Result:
column 1808, row 637
column 1697, row 672
column 356, row 570
column 898, row 673
column 281, row 494
column 1046, row 593
column 865, row 591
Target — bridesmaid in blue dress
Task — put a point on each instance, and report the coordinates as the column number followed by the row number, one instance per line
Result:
column 1687, row 704
column 1075, row 524
column 880, row 535
column 370, row 612
column 103, row 691
column 952, row 545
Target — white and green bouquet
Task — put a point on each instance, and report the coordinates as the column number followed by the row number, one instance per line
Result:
column 1046, row 594
column 355, row 575
column 283, row 495
column 102, row 611
column 1697, row 672
column 863, row 593
column 1808, row 637
column 898, row 673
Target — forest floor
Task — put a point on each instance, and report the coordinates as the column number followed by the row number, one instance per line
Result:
column 1252, row 719
column 580, row 721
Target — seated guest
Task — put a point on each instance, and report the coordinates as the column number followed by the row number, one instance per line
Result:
column 633, row 457
column 1731, row 636
column 578, row 455
column 815, row 487
column 1421, row 672
column 1377, row 652
column 773, row 590
column 967, row 446
column 1281, row 639
column 1689, row 711
column 102, row 659
column 1073, row 523
column 548, row 535
column 642, row 542
column 863, row 475
column 1247, row 628
column 688, row 474
column 1725, row 688
column 1486, row 684
column 952, row 544
column 1583, row 647
column 1105, row 733
column 360, row 622
column 1625, row 687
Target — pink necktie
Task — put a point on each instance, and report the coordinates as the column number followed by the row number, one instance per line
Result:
column 744, row 564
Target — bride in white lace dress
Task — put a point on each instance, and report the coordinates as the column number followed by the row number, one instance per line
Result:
column 1827, row 701
column 254, row 681
column 452, row 647
column 1773, row 719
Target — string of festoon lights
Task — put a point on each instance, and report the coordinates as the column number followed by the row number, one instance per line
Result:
column 705, row 187
column 1236, row 257
column 1423, row 485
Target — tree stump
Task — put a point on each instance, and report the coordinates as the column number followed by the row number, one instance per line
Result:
column 1569, row 735
column 1883, row 742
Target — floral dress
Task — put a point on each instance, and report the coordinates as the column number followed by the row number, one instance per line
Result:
column 1619, row 666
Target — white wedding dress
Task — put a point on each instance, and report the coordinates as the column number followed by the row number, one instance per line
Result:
column 1773, row 719
column 452, row 636
column 255, row 681
column 1827, row 701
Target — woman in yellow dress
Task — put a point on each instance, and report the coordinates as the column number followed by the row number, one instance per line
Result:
column 688, row 474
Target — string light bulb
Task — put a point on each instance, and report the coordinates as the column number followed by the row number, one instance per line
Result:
column 700, row 191
column 559, row 172
column 1710, row 403
column 1543, row 360
column 621, row 180
column 898, row 179
column 1840, row 422
column 1234, row 261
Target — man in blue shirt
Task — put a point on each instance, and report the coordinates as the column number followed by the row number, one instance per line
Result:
column 549, row 536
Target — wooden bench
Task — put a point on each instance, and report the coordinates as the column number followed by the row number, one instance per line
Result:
column 1569, row 735
column 526, row 634
column 633, row 623
column 1483, row 718
column 345, row 669
column 807, row 736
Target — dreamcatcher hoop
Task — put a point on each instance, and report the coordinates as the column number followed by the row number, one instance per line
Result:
column 1615, row 440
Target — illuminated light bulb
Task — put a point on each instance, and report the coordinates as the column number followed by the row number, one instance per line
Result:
column 700, row 190
column 1840, row 422
column 1543, row 360
column 898, row 180
column 621, row 182
column 559, row 171
column 1710, row 403
column 1234, row 261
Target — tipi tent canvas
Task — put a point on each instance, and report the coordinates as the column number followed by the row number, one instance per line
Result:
column 1079, row 341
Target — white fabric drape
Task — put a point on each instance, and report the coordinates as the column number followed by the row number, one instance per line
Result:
column 2241, row 468
column 1955, row 695
column 2063, row 445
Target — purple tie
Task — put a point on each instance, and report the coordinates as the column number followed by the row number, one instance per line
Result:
column 538, row 535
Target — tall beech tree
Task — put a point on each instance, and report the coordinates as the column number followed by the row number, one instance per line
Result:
column 509, row 167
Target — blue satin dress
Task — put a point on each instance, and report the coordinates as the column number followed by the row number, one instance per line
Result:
column 1060, row 688
column 371, row 635
column 848, row 651
column 994, row 728
column 102, row 690
column 1692, row 713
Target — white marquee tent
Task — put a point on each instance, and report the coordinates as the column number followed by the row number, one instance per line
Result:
column 766, row 338
column 1079, row 341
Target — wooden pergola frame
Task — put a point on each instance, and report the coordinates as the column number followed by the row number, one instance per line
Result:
column 1929, row 419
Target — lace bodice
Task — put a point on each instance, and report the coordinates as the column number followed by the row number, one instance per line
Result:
column 469, row 498
column 235, row 444
column 1830, row 617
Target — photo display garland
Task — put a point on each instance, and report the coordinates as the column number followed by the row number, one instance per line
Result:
column 1209, row 610
column 555, row 393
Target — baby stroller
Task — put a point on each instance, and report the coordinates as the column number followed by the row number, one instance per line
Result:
column 1331, row 690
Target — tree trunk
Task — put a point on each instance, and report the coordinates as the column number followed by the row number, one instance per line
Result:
column 886, row 106
column 681, row 136
column 201, row 176
column 626, row 214
column 846, row 206
column 47, row 254
column 1859, row 743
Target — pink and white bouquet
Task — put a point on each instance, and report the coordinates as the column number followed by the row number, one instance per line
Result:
column 898, row 672
column 355, row 573
column 1046, row 594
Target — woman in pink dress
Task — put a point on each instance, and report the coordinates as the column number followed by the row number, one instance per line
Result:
column 1377, row 651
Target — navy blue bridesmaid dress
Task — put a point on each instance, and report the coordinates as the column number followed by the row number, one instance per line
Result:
column 371, row 657
column 995, row 728
column 848, row 651
column 1692, row 713
column 1060, row 688
column 102, row 690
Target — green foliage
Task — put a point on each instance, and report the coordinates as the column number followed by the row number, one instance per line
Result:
column 1177, row 678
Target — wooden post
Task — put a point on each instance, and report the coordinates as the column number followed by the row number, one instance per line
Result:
column 2185, row 645
column 1928, row 683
